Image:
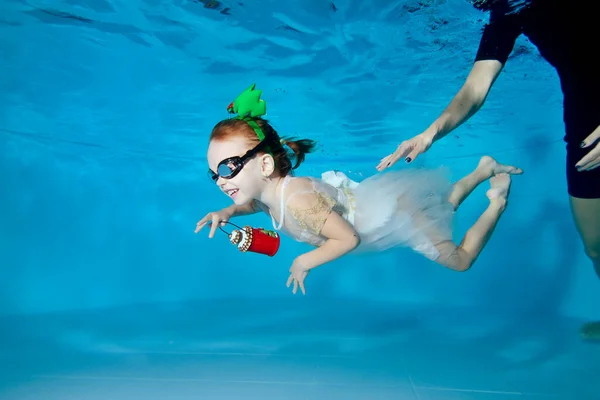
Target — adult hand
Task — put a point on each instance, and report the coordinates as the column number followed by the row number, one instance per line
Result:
column 592, row 159
column 410, row 149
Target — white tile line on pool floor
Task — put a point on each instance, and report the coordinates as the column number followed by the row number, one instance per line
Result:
column 415, row 387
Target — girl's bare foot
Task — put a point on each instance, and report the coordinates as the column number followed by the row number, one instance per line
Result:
column 500, row 189
column 490, row 167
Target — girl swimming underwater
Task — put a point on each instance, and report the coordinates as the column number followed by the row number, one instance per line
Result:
column 411, row 208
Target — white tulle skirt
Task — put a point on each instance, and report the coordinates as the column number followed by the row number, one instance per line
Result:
column 407, row 208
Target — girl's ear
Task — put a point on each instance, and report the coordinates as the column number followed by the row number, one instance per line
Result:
column 267, row 165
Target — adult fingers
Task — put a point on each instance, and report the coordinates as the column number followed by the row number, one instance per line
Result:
column 592, row 138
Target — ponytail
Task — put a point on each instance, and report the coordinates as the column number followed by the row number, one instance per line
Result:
column 283, row 158
column 300, row 148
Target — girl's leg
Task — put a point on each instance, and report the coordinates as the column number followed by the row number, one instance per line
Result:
column 461, row 257
column 486, row 168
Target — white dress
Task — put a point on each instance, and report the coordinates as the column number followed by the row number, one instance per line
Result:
column 406, row 208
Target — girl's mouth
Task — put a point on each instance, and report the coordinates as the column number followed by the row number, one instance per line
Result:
column 232, row 192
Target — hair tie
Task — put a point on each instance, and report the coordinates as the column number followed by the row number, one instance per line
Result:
column 283, row 142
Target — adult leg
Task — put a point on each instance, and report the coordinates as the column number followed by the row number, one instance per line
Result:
column 486, row 168
column 461, row 258
column 584, row 192
column 586, row 213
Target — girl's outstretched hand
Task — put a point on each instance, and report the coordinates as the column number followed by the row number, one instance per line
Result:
column 298, row 273
column 215, row 218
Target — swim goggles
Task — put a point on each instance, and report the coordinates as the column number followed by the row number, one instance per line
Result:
column 230, row 167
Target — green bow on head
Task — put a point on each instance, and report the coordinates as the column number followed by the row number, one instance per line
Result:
column 249, row 105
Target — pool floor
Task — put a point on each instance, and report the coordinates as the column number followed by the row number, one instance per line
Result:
column 295, row 348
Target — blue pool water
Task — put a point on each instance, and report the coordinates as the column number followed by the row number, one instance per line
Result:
column 106, row 293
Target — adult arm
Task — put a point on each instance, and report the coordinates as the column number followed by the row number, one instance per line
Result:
column 495, row 46
column 467, row 101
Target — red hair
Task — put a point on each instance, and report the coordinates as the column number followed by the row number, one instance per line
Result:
column 276, row 147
